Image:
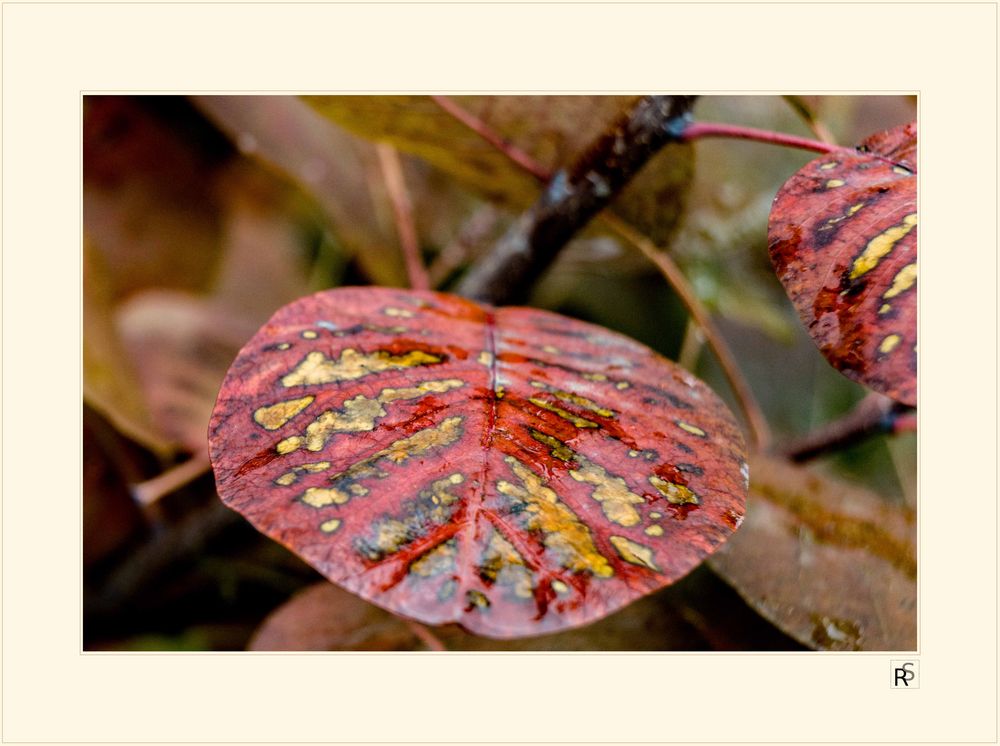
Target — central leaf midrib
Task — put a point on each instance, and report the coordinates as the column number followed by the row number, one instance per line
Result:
column 477, row 497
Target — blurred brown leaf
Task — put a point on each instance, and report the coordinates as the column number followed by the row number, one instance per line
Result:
column 832, row 565
column 110, row 384
column 181, row 343
column 182, row 346
column 554, row 130
column 324, row 617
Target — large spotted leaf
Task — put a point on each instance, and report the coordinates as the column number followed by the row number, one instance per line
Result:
column 843, row 240
column 509, row 469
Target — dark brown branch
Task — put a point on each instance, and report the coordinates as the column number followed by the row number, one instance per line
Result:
column 874, row 415
column 573, row 197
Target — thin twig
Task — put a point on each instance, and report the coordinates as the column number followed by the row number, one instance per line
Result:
column 493, row 137
column 692, row 345
column 427, row 637
column 149, row 492
column 873, row 415
column 573, row 197
column 757, row 423
column 808, row 115
column 701, row 130
column 402, row 207
column 760, row 431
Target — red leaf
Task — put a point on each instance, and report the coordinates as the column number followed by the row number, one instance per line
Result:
column 843, row 240
column 509, row 469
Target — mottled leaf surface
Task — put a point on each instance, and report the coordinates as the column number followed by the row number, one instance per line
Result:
column 832, row 565
column 843, row 240
column 509, row 469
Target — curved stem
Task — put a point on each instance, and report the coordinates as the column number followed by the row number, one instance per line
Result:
column 700, row 130
column 874, row 415
column 402, row 207
column 493, row 137
column 760, row 431
column 149, row 492
column 813, row 122
column 428, row 638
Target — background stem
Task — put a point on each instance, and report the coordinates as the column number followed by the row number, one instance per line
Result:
column 701, row 130
column 402, row 207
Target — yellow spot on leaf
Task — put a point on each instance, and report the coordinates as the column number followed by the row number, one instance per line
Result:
column 276, row 415
column 834, row 183
column 654, row 531
column 610, row 491
column 399, row 312
column 565, row 414
column 687, row 427
column 321, row 497
column 477, row 599
column 360, row 414
column 317, row 368
column 440, row 559
column 902, row 171
column 551, row 349
column 635, row 553
column 423, row 441
column 328, row 527
column 678, row 494
column 560, row 587
column 344, row 483
column 284, row 346
column 289, row 444
column 622, row 385
column 559, row 449
column 903, row 281
column 881, row 245
column 595, row 376
column 503, row 564
column 563, row 533
column 429, row 509
column 485, row 358
column 654, row 515
column 291, row 477
column 889, row 344
column 850, row 213
column 884, row 308
column 498, row 392
column 571, row 398
column 309, row 334
column 828, row 166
